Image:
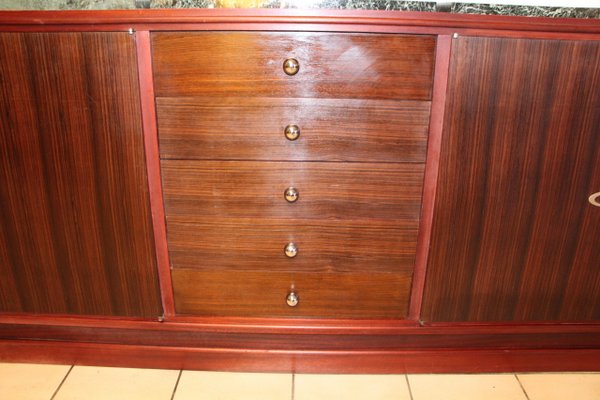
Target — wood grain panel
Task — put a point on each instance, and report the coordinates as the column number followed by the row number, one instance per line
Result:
column 327, row 190
column 347, row 295
column 331, row 65
column 514, row 236
column 205, row 243
column 331, row 129
column 76, row 234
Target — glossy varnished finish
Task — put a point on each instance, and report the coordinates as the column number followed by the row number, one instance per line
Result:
column 323, row 245
column 263, row 294
column 331, row 129
column 300, row 344
column 331, row 65
column 332, row 191
column 514, row 236
column 75, row 228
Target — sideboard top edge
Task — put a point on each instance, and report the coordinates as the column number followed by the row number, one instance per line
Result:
column 150, row 18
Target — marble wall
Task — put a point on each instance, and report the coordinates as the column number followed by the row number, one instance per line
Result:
column 461, row 8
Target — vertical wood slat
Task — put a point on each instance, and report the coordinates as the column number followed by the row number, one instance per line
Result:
column 514, row 237
column 148, row 105
column 75, row 218
column 436, row 120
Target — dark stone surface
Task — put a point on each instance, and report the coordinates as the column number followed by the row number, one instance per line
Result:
column 459, row 8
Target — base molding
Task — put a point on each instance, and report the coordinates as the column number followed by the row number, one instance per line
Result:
column 332, row 346
column 399, row 361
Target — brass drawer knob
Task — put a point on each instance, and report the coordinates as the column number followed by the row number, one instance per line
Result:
column 292, row 299
column 291, row 250
column 594, row 199
column 291, row 194
column 291, row 66
column 292, row 132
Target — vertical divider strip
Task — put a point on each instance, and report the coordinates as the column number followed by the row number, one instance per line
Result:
column 436, row 124
column 149, row 123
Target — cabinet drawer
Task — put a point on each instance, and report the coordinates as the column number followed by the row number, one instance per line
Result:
column 263, row 294
column 325, row 190
column 330, row 65
column 323, row 245
column 330, row 129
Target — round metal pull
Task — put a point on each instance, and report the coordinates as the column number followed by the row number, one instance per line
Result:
column 594, row 199
column 290, row 250
column 292, row 132
column 292, row 299
column 291, row 194
column 291, row 66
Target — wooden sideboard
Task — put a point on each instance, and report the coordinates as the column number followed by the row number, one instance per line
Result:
column 292, row 190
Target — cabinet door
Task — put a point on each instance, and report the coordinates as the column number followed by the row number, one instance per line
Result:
column 75, row 224
column 515, row 237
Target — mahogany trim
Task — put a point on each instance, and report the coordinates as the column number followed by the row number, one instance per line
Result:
column 302, row 325
column 297, row 16
column 148, row 107
column 403, row 361
column 436, row 121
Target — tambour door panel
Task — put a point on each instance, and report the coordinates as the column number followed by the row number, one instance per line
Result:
column 331, row 191
column 514, row 236
column 367, row 66
column 249, row 128
column 75, row 225
column 263, row 294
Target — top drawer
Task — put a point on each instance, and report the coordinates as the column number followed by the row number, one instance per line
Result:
column 371, row 66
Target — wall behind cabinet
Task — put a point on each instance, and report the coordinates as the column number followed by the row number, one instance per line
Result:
column 514, row 236
column 75, row 225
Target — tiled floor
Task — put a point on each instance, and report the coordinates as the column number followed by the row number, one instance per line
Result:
column 46, row 382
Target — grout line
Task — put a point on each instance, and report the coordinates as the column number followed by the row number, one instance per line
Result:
column 409, row 389
column 61, row 383
column 176, row 384
column 293, row 385
column 522, row 388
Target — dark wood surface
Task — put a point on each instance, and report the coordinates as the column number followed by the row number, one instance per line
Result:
column 331, row 129
column 301, row 334
column 316, row 20
column 357, row 362
column 263, row 294
column 75, row 228
column 323, row 245
column 332, row 191
column 514, row 237
column 148, row 111
column 436, row 127
column 331, row 65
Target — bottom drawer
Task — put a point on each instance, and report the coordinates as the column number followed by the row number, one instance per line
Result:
column 263, row 294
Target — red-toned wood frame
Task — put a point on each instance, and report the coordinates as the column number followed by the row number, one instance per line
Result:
column 299, row 345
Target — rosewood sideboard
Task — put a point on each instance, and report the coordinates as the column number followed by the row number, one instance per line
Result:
column 293, row 190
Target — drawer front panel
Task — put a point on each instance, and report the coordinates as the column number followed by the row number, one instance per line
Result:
column 326, row 190
column 331, row 65
column 323, row 245
column 263, row 294
column 330, row 129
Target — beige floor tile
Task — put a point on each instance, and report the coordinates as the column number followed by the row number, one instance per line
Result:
column 30, row 381
column 91, row 383
column 199, row 385
column 350, row 387
column 561, row 386
column 466, row 387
